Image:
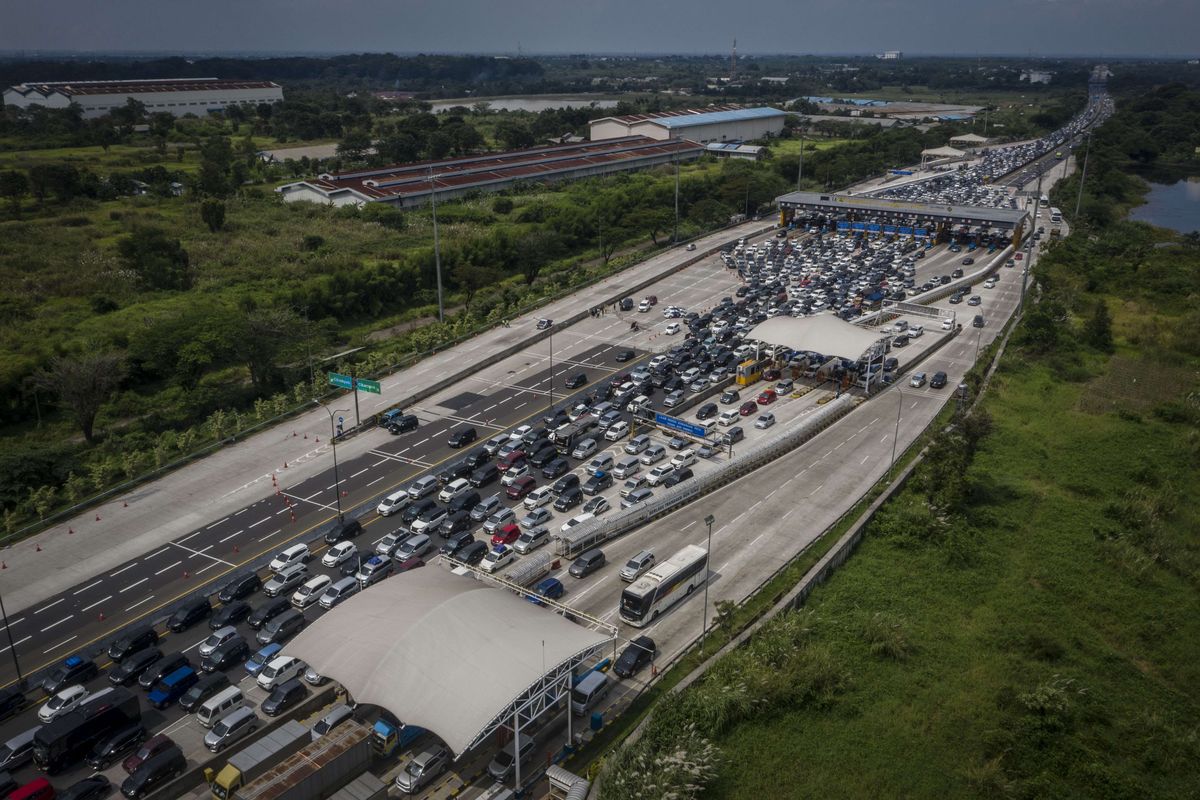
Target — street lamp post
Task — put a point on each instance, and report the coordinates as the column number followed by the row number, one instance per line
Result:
column 1082, row 176
column 12, row 647
column 896, row 436
column 337, row 483
column 437, row 249
column 709, row 520
column 551, row 409
column 800, row 172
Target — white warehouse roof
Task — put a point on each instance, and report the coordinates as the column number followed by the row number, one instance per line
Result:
column 824, row 333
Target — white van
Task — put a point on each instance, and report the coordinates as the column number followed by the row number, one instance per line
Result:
column 396, row 501
column 296, row 554
column 588, row 692
column 453, row 489
column 727, row 418
column 217, row 706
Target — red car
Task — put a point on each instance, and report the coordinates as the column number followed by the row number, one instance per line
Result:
column 506, row 534
column 771, row 374
column 409, row 563
column 767, row 396
column 521, row 487
column 510, row 460
column 150, row 748
column 748, row 408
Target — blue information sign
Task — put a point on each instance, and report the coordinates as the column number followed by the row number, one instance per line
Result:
column 921, row 232
column 873, row 227
column 858, row 226
column 889, row 228
column 677, row 424
column 843, row 226
column 907, row 231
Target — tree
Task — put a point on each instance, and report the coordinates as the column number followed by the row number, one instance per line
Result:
column 471, row 278
column 160, row 261
column 82, row 384
column 216, row 157
column 1097, row 331
column 212, row 211
column 14, row 185
column 267, row 336
column 514, row 134
column 354, row 145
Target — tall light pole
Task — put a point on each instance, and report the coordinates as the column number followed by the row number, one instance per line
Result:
column 800, row 173
column 1083, row 175
column 437, row 249
column 675, row 232
column 709, row 520
column 12, row 647
column 896, row 436
column 550, row 410
column 337, row 483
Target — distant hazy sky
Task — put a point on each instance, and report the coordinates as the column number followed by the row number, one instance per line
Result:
column 1048, row 27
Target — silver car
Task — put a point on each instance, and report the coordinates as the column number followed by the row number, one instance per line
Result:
column 232, row 727
column 218, row 638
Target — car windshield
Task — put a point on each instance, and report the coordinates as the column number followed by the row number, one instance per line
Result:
column 221, row 728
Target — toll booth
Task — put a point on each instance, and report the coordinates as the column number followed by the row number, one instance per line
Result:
column 751, row 370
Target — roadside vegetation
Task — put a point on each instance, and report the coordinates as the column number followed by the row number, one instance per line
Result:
column 1022, row 618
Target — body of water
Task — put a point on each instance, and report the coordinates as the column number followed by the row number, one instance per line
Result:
column 533, row 103
column 1172, row 205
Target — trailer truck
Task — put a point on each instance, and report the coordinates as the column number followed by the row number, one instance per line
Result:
column 316, row 771
column 61, row 743
column 252, row 761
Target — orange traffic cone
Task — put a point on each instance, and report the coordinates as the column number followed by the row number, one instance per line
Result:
column 39, row 547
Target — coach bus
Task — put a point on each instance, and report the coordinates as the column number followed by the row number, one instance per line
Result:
column 664, row 585
column 1055, row 215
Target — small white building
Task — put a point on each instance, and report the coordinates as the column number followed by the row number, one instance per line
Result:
column 176, row 96
column 719, row 124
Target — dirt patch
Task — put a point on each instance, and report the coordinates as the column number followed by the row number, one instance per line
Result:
column 1133, row 384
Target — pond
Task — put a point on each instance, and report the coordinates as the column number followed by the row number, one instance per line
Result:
column 533, row 103
column 1172, row 205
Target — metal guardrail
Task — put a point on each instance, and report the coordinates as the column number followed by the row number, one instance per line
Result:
column 594, row 532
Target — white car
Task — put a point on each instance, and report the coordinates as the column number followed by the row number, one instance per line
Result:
column 518, row 432
column 535, row 519
column 311, row 591
column 672, row 329
column 218, row 638
column 394, row 502
column 539, row 497
column 578, row 519
column 915, row 330
column 596, row 506
column 280, row 670
column 66, row 700
column 659, row 474
column 531, row 540
column 616, row 431
column 947, row 324
column 498, row 558
column 510, row 477
column 764, row 421
column 339, row 553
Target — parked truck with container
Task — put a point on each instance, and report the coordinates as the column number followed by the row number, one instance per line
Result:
column 252, row 761
column 317, row 770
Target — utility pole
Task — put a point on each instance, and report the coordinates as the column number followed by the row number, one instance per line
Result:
column 12, row 648
column 337, row 483
column 709, row 520
column 800, row 173
column 675, row 232
column 1082, row 176
column 1037, row 200
column 437, row 250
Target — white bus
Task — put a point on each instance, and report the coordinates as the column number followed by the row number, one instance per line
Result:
column 1055, row 215
column 664, row 585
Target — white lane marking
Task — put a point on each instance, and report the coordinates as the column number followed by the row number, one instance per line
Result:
column 314, row 494
column 377, row 480
column 130, row 586
column 260, row 522
column 690, row 524
column 243, row 511
column 269, row 535
column 360, row 472
column 884, row 439
column 61, row 644
column 56, row 624
column 122, row 569
column 197, row 644
column 156, row 553
column 204, row 553
column 52, row 605
column 210, row 566
column 19, row 641
column 819, row 488
column 84, row 589
column 215, row 524
column 230, row 536
column 164, row 569
column 140, row 602
column 864, row 460
column 380, row 461
column 98, row 602
column 189, row 536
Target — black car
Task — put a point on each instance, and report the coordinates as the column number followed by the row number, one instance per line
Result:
column 464, row 502
column 543, row 455
column 230, row 614
column 598, row 483
column 91, row 788
column 352, row 565
column 477, row 458
column 677, row 477
column 633, row 658
column 229, row 654
column 131, row 641
column 189, row 614
column 462, row 437
column 958, row 273
column 938, row 380
column 733, row 435
column 555, row 467
column 624, row 355
column 206, row 687
column 133, row 666
column 459, row 469
column 900, row 341
column 12, row 700
column 454, row 523
column 283, row 697
column 115, row 747
column 707, row 411
column 576, row 380
column 346, row 529
column 154, row 772
column 417, row 509
column 240, row 588
column 569, row 499
column 565, row 482
column 161, row 669
column 272, row 608
column 978, row 321
column 730, row 396
column 75, row 669
column 456, row 542
column 403, row 424
column 472, row 553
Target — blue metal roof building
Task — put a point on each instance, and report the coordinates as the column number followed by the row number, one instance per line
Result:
column 721, row 117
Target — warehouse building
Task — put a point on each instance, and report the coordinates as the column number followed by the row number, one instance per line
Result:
column 176, row 96
column 715, row 124
column 413, row 184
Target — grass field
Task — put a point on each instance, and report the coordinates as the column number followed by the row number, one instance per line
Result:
column 1055, row 655
column 791, row 147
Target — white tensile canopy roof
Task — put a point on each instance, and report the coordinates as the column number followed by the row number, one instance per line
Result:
column 824, row 333
column 942, row 152
column 441, row 651
column 970, row 138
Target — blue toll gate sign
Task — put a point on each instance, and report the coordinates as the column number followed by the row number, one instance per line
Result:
column 677, row 424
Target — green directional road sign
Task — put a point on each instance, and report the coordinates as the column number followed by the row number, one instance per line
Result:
column 368, row 386
column 340, row 381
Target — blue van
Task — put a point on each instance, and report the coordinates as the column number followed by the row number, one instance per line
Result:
column 172, row 687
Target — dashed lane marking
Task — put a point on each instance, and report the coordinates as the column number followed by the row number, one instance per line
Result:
column 260, row 522
column 63, row 643
column 56, row 624
column 139, row 602
column 132, row 585
column 230, row 536
column 84, row 589
column 52, row 605
column 123, row 569
column 164, row 569
column 98, row 602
